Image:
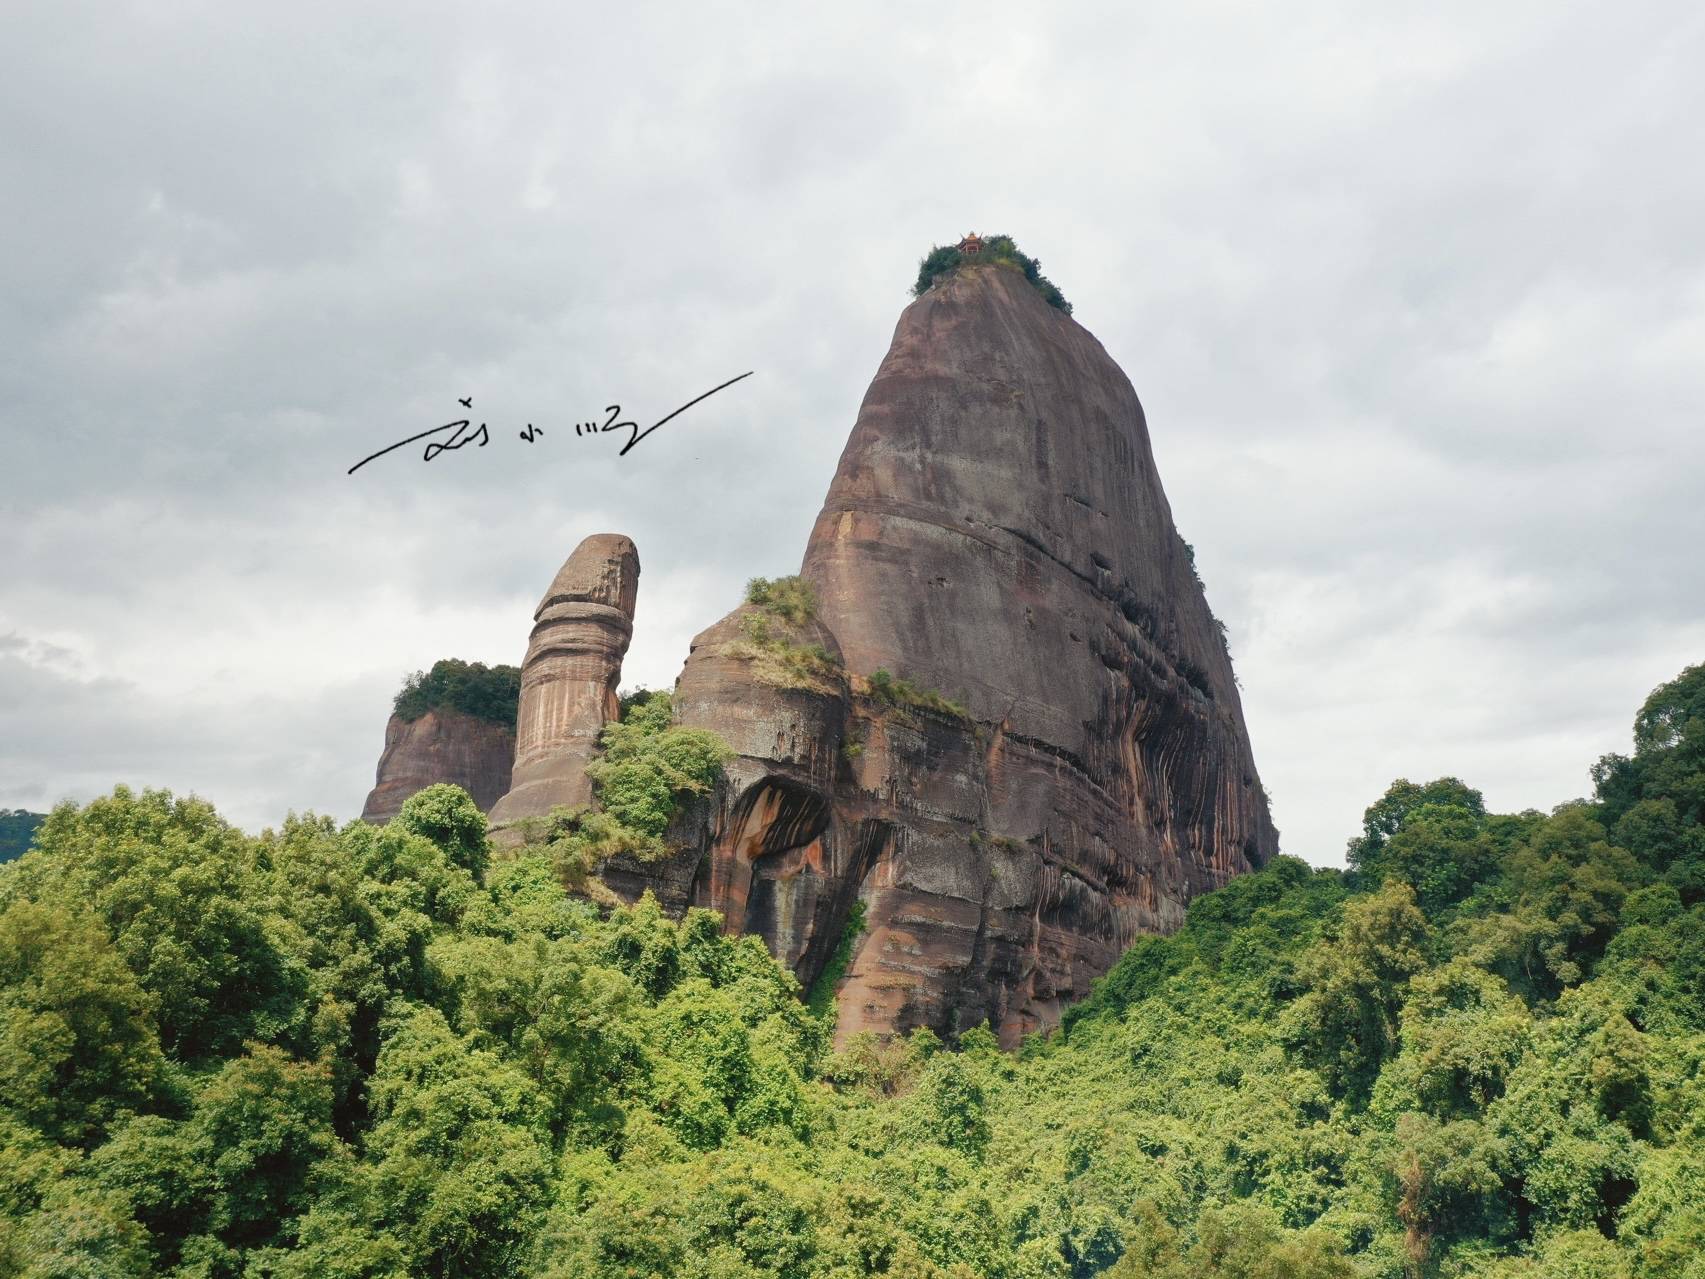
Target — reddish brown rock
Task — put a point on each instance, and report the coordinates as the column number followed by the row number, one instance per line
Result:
column 996, row 533
column 997, row 530
column 767, row 869
column 580, row 634
column 441, row 746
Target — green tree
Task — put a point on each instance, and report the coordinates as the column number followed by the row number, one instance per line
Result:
column 448, row 817
column 951, row 1105
column 77, row 1041
column 648, row 764
column 455, row 1178
column 1385, row 817
column 1356, row 984
column 175, row 887
column 1655, row 800
column 557, row 1014
column 1569, row 882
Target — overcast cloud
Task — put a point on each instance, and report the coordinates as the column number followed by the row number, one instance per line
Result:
column 1414, row 297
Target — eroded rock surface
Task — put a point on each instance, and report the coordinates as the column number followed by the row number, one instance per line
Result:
column 441, row 746
column 995, row 534
column 569, row 679
column 997, row 531
column 768, row 869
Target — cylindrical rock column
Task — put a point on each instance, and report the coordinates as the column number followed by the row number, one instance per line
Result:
column 568, row 681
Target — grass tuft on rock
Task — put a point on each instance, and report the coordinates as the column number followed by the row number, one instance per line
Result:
column 771, row 637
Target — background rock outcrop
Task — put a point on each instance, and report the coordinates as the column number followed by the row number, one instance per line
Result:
column 1032, row 750
column 570, row 676
column 442, row 745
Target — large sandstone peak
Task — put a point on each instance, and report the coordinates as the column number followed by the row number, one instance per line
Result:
column 1033, row 751
column 997, row 531
column 569, row 679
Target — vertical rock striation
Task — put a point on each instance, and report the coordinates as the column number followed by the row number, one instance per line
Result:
column 441, row 746
column 995, row 535
column 573, row 666
column 997, row 531
column 769, row 867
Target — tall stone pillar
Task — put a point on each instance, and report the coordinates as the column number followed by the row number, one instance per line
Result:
column 568, row 681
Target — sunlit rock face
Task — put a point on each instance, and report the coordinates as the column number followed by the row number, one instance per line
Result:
column 569, row 679
column 441, row 746
column 995, row 534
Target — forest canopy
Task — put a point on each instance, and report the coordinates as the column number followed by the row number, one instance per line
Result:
column 383, row 1051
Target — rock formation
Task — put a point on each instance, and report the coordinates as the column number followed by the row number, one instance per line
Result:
column 998, row 712
column 1020, row 742
column 580, row 634
column 441, row 746
column 765, row 823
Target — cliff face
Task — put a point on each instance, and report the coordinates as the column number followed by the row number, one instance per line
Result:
column 996, row 531
column 441, row 746
column 995, row 534
column 767, row 849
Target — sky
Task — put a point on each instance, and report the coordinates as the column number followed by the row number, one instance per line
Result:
column 1414, row 297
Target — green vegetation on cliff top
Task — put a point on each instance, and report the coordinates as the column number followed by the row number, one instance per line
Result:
column 997, row 250
column 486, row 692
column 369, row 1052
column 773, row 637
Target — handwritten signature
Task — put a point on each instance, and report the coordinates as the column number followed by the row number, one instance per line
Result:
column 461, row 435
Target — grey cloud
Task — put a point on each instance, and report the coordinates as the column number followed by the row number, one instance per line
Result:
column 255, row 754
column 1414, row 303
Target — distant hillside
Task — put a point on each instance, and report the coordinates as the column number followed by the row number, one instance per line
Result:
column 17, row 828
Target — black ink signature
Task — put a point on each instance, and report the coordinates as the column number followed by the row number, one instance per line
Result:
column 457, row 440
column 461, row 435
column 610, row 423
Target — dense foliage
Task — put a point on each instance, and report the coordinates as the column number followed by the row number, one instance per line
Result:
column 997, row 250
column 636, row 697
column 485, row 692
column 648, row 762
column 379, row 1052
column 17, row 829
column 646, row 768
